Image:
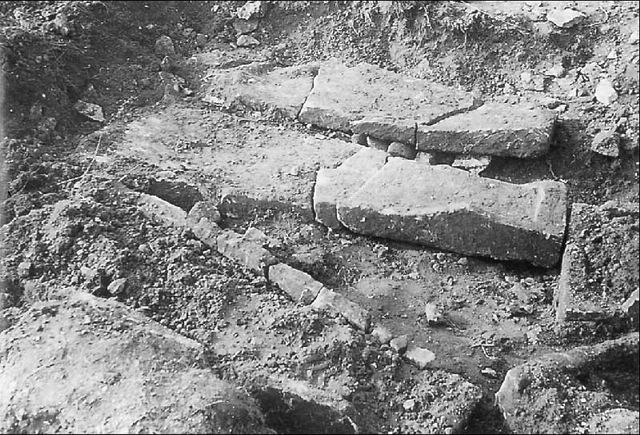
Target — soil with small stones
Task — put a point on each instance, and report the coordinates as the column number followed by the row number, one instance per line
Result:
column 70, row 217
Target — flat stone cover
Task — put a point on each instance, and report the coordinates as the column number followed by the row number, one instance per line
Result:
column 449, row 208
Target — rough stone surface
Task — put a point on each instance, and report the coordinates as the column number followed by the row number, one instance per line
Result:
column 399, row 149
column 565, row 18
column 600, row 262
column 90, row 110
column 164, row 47
column 546, row 395
column 607, row 143
column 92, row 365
column 333, row 185
column 262, row 86
column 617, row 420
column 419, row 356
column 247, row 41
column 251, row 10
column 160, row 210
column 382, row 334
column 342, row 95
column 492, row 129
column 605, row 93
column 117, row 286
column 451, row 209
column 300, row 286
column 203, row 219
column 475, row 165
column 631, row 307
column 354, row 313
column 245, row 251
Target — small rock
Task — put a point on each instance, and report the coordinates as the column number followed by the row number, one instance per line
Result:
column 565, row 18
column 631, row 306
column 354, row 313
column 489, row 372
column 556, row 71
column 433, row 314
column 382, row 334
column 409, row 405
column 606, row 143
column 463, row 261
column 247, row 41
column 605, row 93
column 612, row 55
column 399, row 149
column 117, row 286
column 359, row 138
column 164, row 47
column 399, row 344
column 475, row 165
column 24, row 269
column 372, row 142
column 251, row 10
column 90, row 110
column 243, row 27
column 419, row 356
column 300, row 286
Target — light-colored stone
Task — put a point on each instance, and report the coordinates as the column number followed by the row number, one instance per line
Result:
column 493, row 129
column 247, row 41
column 343, row 95
column 203, row 219
column 448, row 208
column 117, row 286
column 382, row 334
column 475, row 165
column 378, row 144
column 419, row 356
column 300, row 286
column 399, row 149
column 616, row 420
column 245, row 251
column 354, row 313
column 606, row 143
column 605, row 92
column 90, row 110
column 400, row 343
column 158, row 209
column 565, row 18
column 249, row 10
column 631, row 307
column 260, row 86
column 599, row 264
column 333, row 185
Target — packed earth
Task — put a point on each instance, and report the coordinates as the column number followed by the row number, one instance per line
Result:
column 319, row 217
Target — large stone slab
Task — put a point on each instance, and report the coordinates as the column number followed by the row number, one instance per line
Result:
column 391, row 103
column 565, row 392
column 93, row 365
column 262, row 86
column 600, row 262
column 493, row 129
column 332, row 185
column 449, row 208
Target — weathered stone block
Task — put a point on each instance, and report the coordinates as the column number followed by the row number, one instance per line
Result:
column 600, row 262
column 332, row 185
column 354, row 313
column 160, row 210
column 449, row 208
column 296, row 283
column 419, row 356
column 492, row 129
column 245, row 250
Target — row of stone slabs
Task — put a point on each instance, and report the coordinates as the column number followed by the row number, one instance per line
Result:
column 386, row 106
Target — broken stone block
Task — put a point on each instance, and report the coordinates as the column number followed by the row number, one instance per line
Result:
column 419, row 356
column 332, row 185
column 249, row 10
column 160, row 210
column 245, row 251
column 400, row 343
column 300, row 286
column 203, row 219
column 262, row 86
column 605, row 93
column 496, row 129
column 449, row 208
column 90, row 110
column 378, row 144
column 247, row 41
column 204, row 210
column 382, row 334
column 472, row 164
column 117, row 286
column 354, row 313
column 549, row 394
column 342, row 95
column 600, row 262
column 606, row 143
column 565, row 18
column 399, row 149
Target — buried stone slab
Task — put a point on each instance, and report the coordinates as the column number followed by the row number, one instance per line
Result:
column 354, row 313
column 160, row 210
column 563, row 392
column 260, row 86
column 496, row 129
column 389, row 104
column 99, row 367
column 451, row 209
column 300, row 286
column 246, row 250
column 600, row 262
column 332, row 185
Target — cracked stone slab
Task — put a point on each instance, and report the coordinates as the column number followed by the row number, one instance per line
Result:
column 333, row 185
column 262, row 86
column 388, row 104
column 497, row 129
column 451, row 209
column 600, row 262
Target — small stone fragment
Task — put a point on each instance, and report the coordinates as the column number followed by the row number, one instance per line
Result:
column 382, row 334
column 24, row 269
column 247, row 41
column 631, row 307
column 117, row 286
column 409, row 405
column 605, row 93
column 250, row 10
column 607, row 143
column 565, row 18
column 164, row 47
column 556, row 70
column 300, row 286
column 354, row 313
column 433, row 314
column 399, row 344
column 419, row 356
column 475, row 165
column 90, row 110
column 489, row 372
